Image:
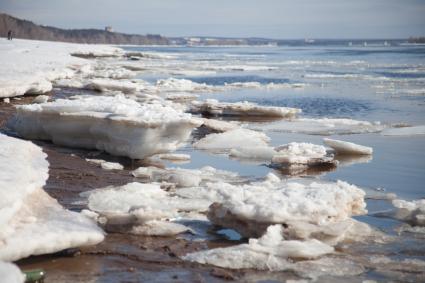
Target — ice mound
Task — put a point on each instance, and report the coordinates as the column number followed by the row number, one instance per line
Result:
column 404, row 131
column 348, row 148
column 216, row 108
column 270, row 252
column 106, row 165
column 232, row 139
column 305, row 208
column 323, row 126
column 301, row 154
column 32, row 222
column 10, row 273
column 141, row 208
column 115, row 124
column 412, row 212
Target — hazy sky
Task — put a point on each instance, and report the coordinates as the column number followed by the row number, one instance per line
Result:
column 239, row 18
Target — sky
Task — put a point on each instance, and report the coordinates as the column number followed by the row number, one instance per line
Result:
column 280, row 19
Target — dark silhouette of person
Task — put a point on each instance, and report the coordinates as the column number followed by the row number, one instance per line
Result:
column 9, row 35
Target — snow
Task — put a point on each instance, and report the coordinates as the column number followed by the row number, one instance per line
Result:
column 32, row 222
column 115, row 124
column 322, row 126
column 232, row 139
column 10, row 273
column 412, row 212
column 214, row 107
column 301, row 153
column 405, row 131
column 30, row 66
column 270, row 252
column 349, row 148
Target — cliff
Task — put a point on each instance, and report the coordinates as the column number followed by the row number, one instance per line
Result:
column 29, row 30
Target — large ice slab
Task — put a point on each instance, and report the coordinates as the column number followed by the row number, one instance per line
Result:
column 348, row 148
column 115, row 124
column 29, row 66
column 246, row 109
column 32, row 222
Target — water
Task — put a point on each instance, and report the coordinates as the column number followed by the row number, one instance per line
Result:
column 373, row 83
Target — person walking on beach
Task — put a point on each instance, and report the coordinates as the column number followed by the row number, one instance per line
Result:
column 9, row 35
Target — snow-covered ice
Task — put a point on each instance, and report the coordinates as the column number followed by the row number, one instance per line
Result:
column 32, row 222
column 214, row 107
column 118, row 125
column 349, row 148
column 29, row 66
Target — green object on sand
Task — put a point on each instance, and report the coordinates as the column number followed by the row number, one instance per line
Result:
column 34, row 275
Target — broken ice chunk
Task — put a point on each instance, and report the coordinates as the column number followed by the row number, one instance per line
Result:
column 106, row 165
column 10, row 273
column 246, row 109
column 405, row 131
column 348, row 148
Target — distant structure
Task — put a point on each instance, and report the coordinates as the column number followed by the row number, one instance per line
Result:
column 109, row 29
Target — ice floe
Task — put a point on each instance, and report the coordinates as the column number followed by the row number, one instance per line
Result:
column 404, row 131
column 115, row 124
column 32, row 222
column 322, row 126
column 348, row 148
column 412, row 212
column 302, row 154
column 232, row 139
column 218, row 125
column 216, row 108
